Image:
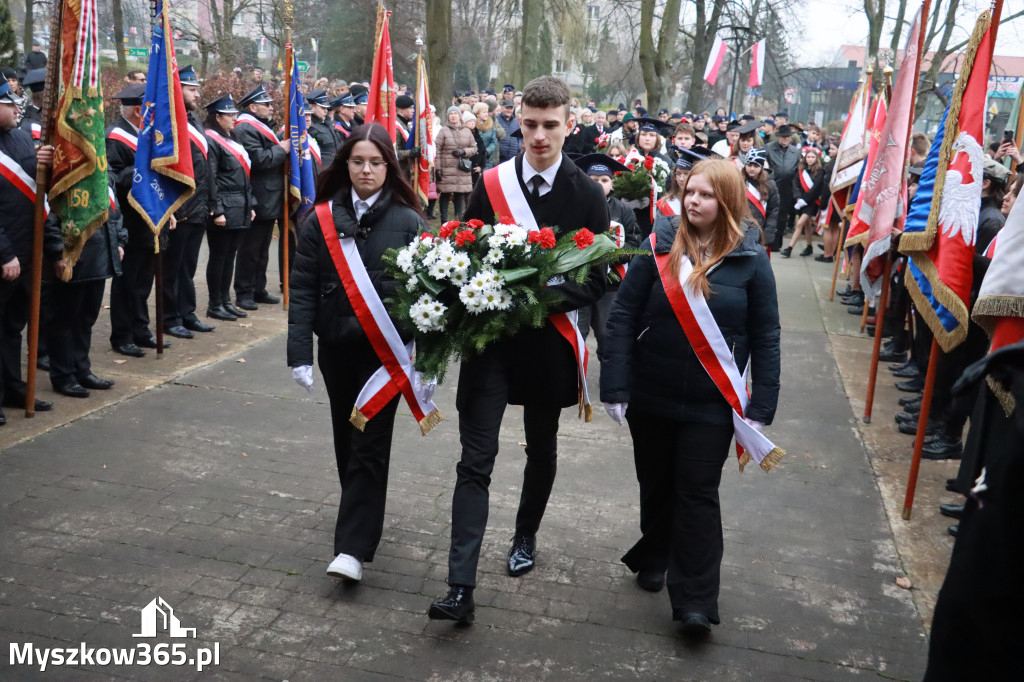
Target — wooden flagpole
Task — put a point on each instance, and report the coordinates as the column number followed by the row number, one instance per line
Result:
column 158, row 255
column 883, row 301
column 843, row 225
column 42, row 184
column 922, row 428
column 285, row 235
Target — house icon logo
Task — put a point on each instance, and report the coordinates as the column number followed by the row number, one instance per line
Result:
column 158, row 615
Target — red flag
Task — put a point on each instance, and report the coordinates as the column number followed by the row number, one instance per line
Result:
column 858, row 233
column 381, row 106
column 715, row 58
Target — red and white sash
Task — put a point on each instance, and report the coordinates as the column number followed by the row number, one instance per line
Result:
column 258, row 125
column 122, row 135
column 711, row 349
column 314, row 150
column 12, row 171
column 806, row 181
column 670, row 206
column 37, row 130
column 990, row 250
column 396, row 373
column 235, row 149
column 342, row 129
column 619, row 231
column 739, row 164
column 508, row 200
column 198, row 139
column 754, row 197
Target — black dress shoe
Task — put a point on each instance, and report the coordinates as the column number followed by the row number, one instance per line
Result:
column 808, row 251
column 236, row 311
column 908, row 372
column 149, row 342
column 43, row 363
column 912, row 408
column 129, row 349
column 457, row 606
column 845, row 292
column 220, row 313
column 520, row 556
column 18, row 400
column 824, row 259
column 952, row 486
column 94, row 382
column 244, row 303
column 953, row 511
column 266, row 297
column 195, row 325
column 892, row 356
column 910, row 428
column 651, row 579
column 72, row 389
column 856, row 298
column 695, row 625
column 954, row 529
column 902, row 365
column 942, row 447
column 856, row 309
column 179, row 332
column 915, row 385
column 786, row 252
column 908, row 399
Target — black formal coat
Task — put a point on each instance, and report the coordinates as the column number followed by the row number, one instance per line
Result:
column 782, row 162
column 231, row 192
column 17, row 210
column 810, row 196
column 326, row 137
column 539, row 363
column 197, row 208
column 319, row 304
column 99, row 258
column 267, row 177
column 648, row 361
column 623, row 215
column 121, row 168
column 768, row 222
column 590, row 135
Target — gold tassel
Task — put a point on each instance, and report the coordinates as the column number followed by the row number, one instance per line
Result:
column 1005, row 398
column 430, row 421
column 772, row 458
column 358, row 419
column 744, row 459
column 588, row 409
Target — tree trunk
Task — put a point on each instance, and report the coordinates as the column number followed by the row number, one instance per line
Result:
column 526, row 61
column 704, row 31
column 440, row 67
column 875, row 12
column 926, row 84
column 656, row 62
column 118, row 15
column 897, row 30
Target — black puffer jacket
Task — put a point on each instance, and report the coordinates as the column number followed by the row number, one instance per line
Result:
column 648, row 361
column 318, row 303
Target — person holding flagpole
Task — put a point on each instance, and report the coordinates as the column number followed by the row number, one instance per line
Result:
column 684, row 323
column 364, row 206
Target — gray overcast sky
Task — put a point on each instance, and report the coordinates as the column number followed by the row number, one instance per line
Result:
column 835, row 22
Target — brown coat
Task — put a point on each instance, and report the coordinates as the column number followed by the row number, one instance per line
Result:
column 450, row 178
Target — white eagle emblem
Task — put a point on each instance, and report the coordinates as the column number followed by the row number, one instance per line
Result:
column 959, row 210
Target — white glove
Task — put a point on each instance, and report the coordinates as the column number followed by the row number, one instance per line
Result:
column 304, row 376
column 427, row 388
column 616, row 411
column 756, row 424
column 800, row 203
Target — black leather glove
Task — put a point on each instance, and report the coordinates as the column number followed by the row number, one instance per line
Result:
column 458, row 153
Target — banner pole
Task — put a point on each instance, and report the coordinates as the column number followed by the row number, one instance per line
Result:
column 158, row 253
column 39, row 216
column 922, row 428
column 285, row 235
column 883, row 301
column 843, row 224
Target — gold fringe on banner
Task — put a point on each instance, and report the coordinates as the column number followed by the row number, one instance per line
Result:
column 430, row 421
column 358, row 419
column 769, row 461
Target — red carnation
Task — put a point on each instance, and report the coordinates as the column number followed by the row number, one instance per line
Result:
column 533, row 237
column 618, row 172
column 426, row 236
column 648, row 163
column 506, row 220
column 475, row 224
column 448, row 228
column 583, row 238
column 464, row 237
column 547, row 238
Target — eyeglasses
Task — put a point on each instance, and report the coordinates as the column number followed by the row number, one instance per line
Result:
column 358, row 165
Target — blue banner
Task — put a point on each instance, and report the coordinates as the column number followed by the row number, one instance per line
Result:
column 301, row 187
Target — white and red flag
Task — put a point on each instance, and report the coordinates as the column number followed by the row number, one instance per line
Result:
column 1000, row 305
column 852, row 150
column 381, row 105
column 858, row 232
column 715, row 58
column 757, row 63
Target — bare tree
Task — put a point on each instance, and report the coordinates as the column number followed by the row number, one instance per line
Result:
column 657, row 60
column 440, row 65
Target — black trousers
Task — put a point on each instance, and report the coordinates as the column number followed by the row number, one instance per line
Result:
column 679, row 468
column 481, row 400
column 459, row 198
column 363, row 457
column 181, row 258
column 129, row 293
column 253, row 256
column 14, row 298
column 786, row 214
column 73, row 310
column 224, row 247
column 291, row 254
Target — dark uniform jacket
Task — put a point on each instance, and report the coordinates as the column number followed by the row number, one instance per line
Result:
column 648, row 361
column 327, row 137
column 99, row 258
column 319, row 304
column 231, row 192
column 549, row 375
column 17, row 211
column 197, row 208
column 121, row 167
column 590, row 135
column 267, row 176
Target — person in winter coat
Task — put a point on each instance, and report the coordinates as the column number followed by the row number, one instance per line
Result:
column 371, row 202
column 762, row 195
column 454, row 143
column 73, row 306
column 232, row 206
column 680, row 422
column 832, row 218
column 806, row 187
column 507, row 121
column 491, row 133
column 479, row 158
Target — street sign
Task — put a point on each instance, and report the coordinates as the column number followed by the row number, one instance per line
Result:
column 303, row 66
column 789, row 95
column 138, row 52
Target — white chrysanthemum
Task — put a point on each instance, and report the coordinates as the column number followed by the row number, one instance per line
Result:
column 437, row 310
column 469, row 296
column 480, row 282
column 424, row 300
column 460, row 262
column 476, row 306
column 504, row 300
column 439, row 270
column 493, row 256
column 424, row 318
column 492, row 299
column 516, row 236
column 411, row 284
column 459, row 277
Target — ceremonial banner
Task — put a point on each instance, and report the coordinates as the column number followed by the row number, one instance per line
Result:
column 757, row 63
column 422, row 131
column 78, row 186
column 858, row 232
column 1000, row 305
column 715, row 58
column 884, row 189
column 850, row 157
column 301, row 188
column 164, row 177
column 381, row 105
column 942, row 224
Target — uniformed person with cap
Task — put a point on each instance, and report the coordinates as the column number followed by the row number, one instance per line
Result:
column 181, row 255
column 344, row 115
column 32, row 115
column 18, row 154
column 320, row 128
column 129, row 293
column 405, row 109
column 361, row 97
column 255, row 132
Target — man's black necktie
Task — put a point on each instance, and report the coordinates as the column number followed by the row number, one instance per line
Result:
column 536, row 181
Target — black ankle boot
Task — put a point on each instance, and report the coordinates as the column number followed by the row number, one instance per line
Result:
column 457, row 606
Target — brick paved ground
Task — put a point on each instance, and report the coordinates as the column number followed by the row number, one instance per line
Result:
column 217, row 492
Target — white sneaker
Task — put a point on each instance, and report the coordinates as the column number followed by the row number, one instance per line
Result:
column 347, row 567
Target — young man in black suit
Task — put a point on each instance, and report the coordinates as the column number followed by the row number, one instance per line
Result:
column 537, row 367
